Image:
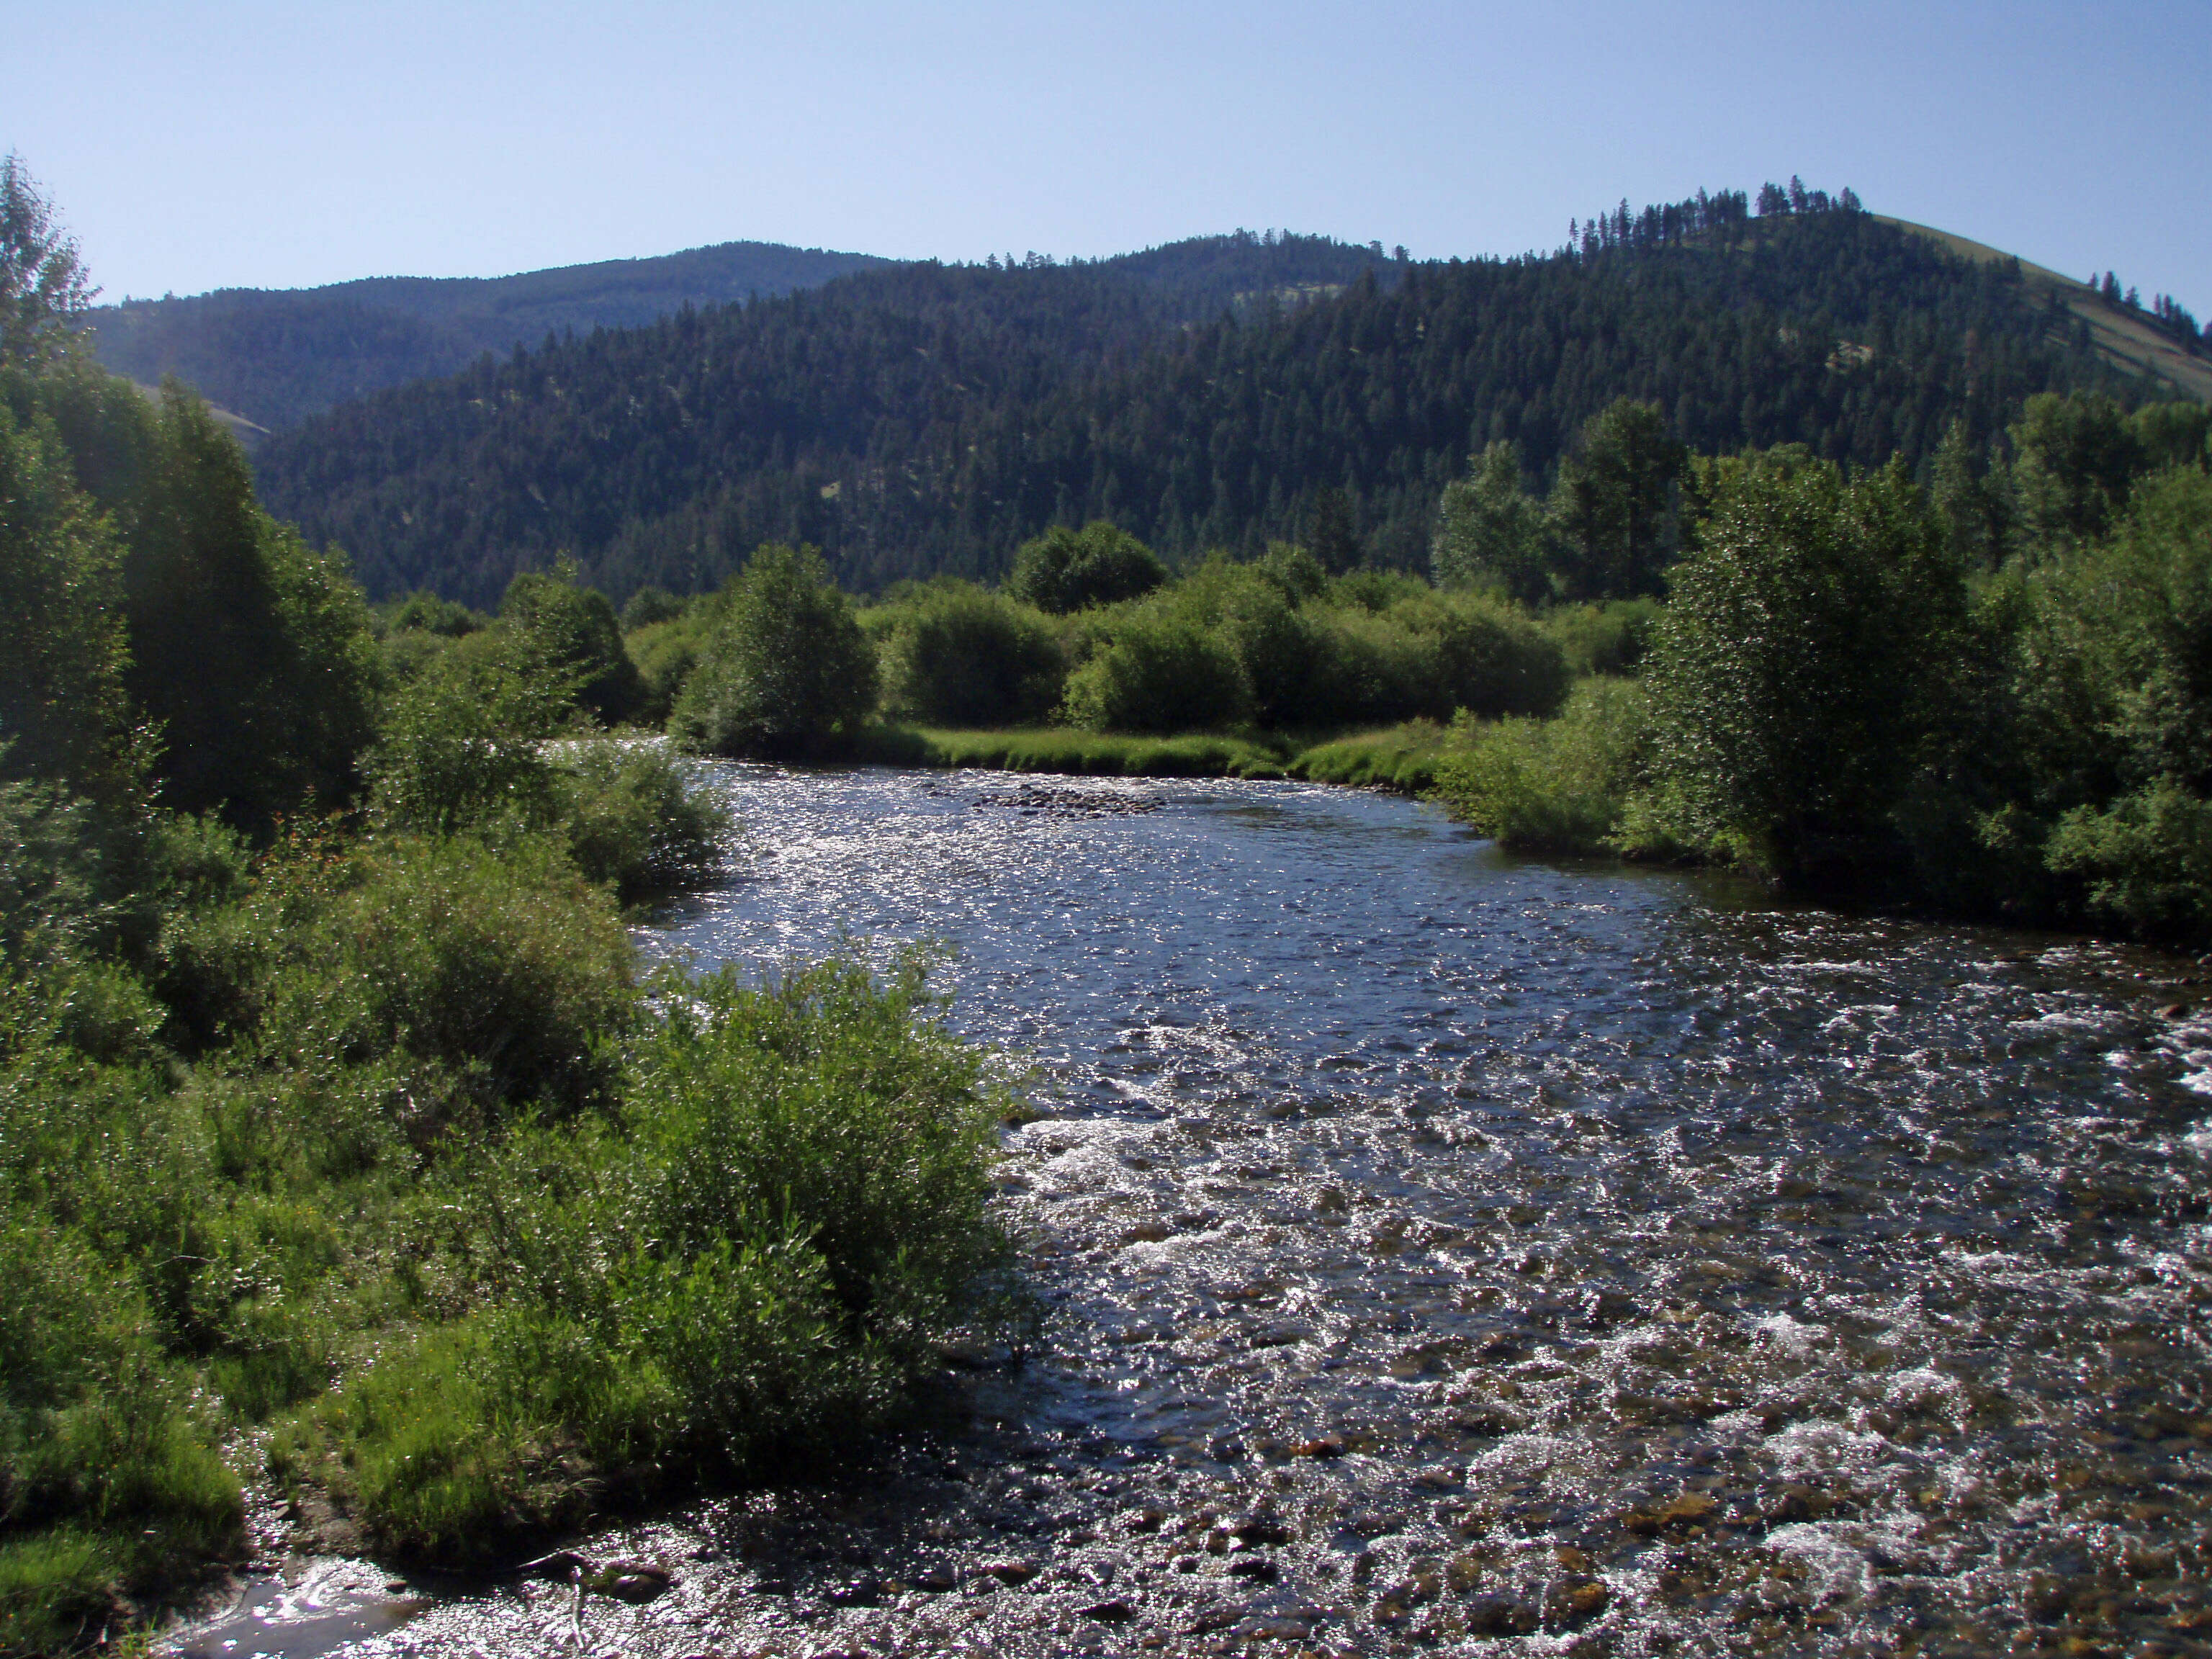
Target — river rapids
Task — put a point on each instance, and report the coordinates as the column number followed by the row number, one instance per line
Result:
column 1445, row 1252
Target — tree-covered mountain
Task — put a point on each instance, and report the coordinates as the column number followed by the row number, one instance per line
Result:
column 274, row 356
column 928, row 419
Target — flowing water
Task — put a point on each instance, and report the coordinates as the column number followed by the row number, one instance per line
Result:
column 1447, row 1252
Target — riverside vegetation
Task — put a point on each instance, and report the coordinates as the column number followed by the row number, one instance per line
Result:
column 1986, row 693
column 323, row 1053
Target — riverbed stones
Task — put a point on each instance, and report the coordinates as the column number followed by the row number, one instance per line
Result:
column 1012, row 1570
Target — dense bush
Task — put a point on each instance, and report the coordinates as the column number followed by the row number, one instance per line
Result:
column 956, row 654
column 498, row 977
column 62, row 648
column 1611, row 636
column 572, row 632
column 93, row 1430
column 251, row 653
column 1233, row 642
column 2121, row 707
column 787, row 672
column 1065, row 570
column 665, row 653
column 633, row 819
column 461, row 746
column 1799, row 665
column 741, row 1266
column 1568, row 785
column 1160, row 673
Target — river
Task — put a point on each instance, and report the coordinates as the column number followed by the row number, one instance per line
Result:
column 1444, row 1249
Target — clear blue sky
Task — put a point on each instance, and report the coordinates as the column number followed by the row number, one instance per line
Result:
column 193, row 146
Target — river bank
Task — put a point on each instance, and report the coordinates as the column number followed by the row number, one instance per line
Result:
column 1402, row 759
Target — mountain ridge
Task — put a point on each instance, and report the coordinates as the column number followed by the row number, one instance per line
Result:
column 275, row 355
column 927, row 418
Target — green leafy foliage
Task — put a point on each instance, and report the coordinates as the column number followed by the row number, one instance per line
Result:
column 1160, row 673
column 1065, row 570
column 1796, row 667
column 956, row 654
column 249, row 655
column 1491, row 531
column 633, row 820
column 787, row 672
column 43, row 292
column 740, row 1266
column 572, row 630
column 63, row 649
column 1611, row 506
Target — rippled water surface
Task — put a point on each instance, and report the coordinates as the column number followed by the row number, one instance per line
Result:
column 1446, row 1250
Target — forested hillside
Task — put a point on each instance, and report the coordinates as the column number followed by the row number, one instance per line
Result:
column 274, row 356
column 928, row 419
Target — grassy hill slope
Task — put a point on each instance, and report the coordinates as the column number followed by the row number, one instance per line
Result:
column 2124, row 338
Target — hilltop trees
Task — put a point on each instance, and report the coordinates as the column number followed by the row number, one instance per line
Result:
column 928, row 420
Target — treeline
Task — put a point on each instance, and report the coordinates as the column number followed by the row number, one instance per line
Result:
column 1984, row 695
column 928, row 420
column 277, row 356
column 345, row 1143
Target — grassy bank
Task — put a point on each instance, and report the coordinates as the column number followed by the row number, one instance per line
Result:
column 1404, row 758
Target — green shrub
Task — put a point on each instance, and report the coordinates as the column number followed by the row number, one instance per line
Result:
column 1566, row 785
column 1160, row 673
column 572, row 632
column 460, row 747
column 650, row 606
column 425, row 613
column 633, row 820
column 742, row 1266
column 2146, row 859
column 1800, row 665
column 62, row 651
column 502, row 976
column 841, row 1105
column 1424, row 654
column 954, row 654
column 1065, row 570
column 665, row 653
column 787, row 672
column 106, row 1477
column 1609, row 637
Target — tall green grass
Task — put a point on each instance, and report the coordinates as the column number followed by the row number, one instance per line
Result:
column 1066, row 749
column 1581, row 783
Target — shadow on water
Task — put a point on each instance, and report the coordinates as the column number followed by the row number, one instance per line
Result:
column 1447, row 1248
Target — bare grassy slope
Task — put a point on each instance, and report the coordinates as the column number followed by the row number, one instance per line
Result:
column 2125, row 339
